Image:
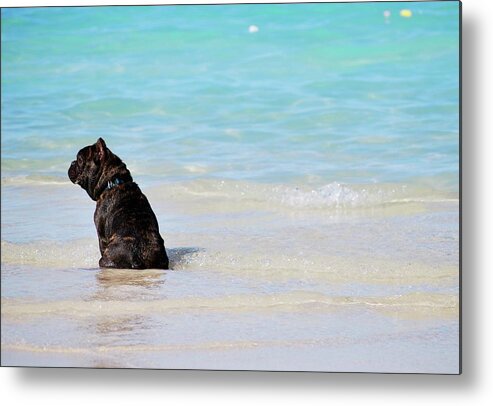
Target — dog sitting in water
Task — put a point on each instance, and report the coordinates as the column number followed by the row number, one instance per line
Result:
column 127, row 227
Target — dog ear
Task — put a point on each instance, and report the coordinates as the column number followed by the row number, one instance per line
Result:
column 101, row 149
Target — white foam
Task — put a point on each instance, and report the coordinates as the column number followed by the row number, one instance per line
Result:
column 332, row 195
column 34, row 180
column 58, row 255
column 226, row 194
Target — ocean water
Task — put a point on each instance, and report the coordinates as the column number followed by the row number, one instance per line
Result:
column 303, row 163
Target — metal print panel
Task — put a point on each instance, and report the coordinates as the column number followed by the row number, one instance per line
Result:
column 301, row 162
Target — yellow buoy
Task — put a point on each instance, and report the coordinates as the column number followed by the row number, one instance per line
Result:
column 406, row 13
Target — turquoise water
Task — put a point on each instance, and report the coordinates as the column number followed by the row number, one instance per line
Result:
column 303, row 164
column 321, row 93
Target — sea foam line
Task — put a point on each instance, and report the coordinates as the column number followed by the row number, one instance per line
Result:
column 445, row 304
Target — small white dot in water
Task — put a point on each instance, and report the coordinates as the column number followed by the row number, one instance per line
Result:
column 252, row 29
column 386, row 13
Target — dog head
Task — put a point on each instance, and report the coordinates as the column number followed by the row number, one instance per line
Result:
column 94, row 167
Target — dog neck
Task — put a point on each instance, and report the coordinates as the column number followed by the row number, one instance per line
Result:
column 113, row 183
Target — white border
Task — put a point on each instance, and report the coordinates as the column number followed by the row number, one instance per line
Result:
column 125, row 387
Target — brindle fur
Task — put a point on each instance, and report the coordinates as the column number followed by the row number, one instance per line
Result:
column 127, row 227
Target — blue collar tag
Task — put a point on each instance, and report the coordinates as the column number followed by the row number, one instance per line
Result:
column 113, row 183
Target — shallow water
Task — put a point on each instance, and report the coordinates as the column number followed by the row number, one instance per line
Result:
column 254, row 285
column 305, row 179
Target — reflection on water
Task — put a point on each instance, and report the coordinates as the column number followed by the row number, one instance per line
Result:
column 119, row 325
column 110, row 278
column 123, row 285
column 128, row 285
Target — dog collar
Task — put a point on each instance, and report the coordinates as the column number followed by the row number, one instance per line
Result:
column 113, row 183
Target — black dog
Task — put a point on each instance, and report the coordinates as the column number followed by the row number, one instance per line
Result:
column 127, row 228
